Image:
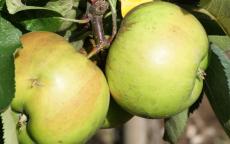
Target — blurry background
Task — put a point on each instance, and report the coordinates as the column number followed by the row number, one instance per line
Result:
column 202, row 128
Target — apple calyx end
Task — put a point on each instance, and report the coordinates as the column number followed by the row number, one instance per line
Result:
column 22, row 121
column 35, row 82
column 201, row 74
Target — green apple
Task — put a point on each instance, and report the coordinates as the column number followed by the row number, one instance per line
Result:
column 64, row 95
column 22, row 134
column 116, row 116
column 156, row 64
column 23, row 137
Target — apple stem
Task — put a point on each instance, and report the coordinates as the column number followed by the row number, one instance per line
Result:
column 96, row 12
column 97, row 23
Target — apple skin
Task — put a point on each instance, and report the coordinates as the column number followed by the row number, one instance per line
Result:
column 116, row 116
column 127, row 5
column 22, row 134
column 154, row 62
column 64, row 95
column 23, row 137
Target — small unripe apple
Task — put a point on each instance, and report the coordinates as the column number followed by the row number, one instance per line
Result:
column 156, row 64
column 64, row 95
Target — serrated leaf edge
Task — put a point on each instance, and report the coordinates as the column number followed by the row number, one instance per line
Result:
column 225, row 62
column 7, row 118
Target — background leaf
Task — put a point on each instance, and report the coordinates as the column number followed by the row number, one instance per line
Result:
column 175, row 127
column 218, row 10
column 222, row 41
column 47, row 22
column 199, row 9
column 59, row 6
column 217, row 85
column 42, row 24
column 9, row 41
column 15, row 6
column 9, row 127
column 47, row 18
column 2, row 2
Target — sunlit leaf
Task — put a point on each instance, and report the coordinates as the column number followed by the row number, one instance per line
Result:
column 59, row 6
column 9, row 127
column 218, row 10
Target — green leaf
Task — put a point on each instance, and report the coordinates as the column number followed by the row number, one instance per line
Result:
column 2, row 2
column 9, row 127
column 42, row 24
column 59, row 6
column 175, row 127
column 218, row 10
column 15, row 6
column 9, row 42
column 221, row 41
column 48, row 22
column 217, row 85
